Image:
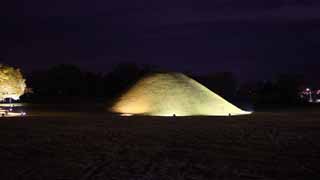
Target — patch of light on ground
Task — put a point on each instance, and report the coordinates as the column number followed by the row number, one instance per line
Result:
column 6, row 113
column 126, row 114
column 11, row 104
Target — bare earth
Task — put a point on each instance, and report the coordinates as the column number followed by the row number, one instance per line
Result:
column 91, row 145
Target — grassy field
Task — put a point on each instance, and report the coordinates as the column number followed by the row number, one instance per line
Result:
column 58, row 144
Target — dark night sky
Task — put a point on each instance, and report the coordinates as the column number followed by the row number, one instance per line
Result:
column 252, row 38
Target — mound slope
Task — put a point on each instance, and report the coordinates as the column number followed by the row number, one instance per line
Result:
column 166, row 94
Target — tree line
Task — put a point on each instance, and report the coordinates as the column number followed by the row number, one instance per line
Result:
column 68, row 83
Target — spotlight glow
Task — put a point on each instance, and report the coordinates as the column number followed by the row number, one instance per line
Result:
column 126, row 114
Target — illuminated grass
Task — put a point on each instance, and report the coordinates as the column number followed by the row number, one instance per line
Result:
column 165, row 94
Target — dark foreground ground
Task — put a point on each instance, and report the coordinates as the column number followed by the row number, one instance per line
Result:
column 73, row 145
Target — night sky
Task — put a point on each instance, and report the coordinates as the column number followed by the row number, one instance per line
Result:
column 252, row 38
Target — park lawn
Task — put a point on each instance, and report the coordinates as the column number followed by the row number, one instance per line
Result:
column 98, row 145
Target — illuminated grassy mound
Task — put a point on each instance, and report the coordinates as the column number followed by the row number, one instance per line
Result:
column 165, row 94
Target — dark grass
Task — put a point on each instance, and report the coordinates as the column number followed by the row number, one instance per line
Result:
column 59, row 143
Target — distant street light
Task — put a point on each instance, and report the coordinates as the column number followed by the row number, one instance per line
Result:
column 310, row 94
